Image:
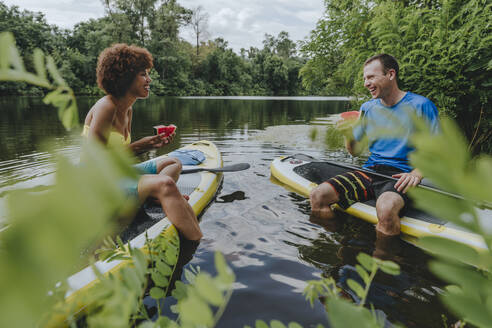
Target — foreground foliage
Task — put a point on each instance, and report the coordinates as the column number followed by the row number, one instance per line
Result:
column 470, row 292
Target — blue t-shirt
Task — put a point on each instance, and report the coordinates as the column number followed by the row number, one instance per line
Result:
column 389, row 128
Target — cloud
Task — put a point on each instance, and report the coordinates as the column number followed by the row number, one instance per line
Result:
column 242, row 24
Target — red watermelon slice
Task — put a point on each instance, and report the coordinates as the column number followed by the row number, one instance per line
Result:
column 167, row 130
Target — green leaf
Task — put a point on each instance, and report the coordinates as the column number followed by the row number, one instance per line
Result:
column 345, row 314
column 276, row 324
column 196, row 312
column 362, row 273
column 157, row 293
column 189, row 276
column 147, row 324
column 140, row 262
column 356, row 287
column 457, row 211
column 260, row 324
column 294, row 325
column 159, row 279
column 471, row 310
column 50, row 65
column 163, row 268
column 70, row 117
column 120, row 243
column 366, row 261
column 226, row 276
column 390, row 267
column 6, row 41
column 38, row 58
column 470, row 281
column 179, row 291
column 450, row 249
column 171, row 256
column 131, row 278
column 15, row 59
column 207, row 289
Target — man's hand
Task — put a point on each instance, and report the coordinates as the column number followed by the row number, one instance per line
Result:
column 407, row 180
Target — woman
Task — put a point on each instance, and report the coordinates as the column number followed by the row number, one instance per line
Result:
column 123, row 74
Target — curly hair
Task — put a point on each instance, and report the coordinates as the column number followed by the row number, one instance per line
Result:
column 118, row 65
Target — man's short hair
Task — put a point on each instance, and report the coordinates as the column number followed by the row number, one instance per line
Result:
column 118, row 65
column 388, row 62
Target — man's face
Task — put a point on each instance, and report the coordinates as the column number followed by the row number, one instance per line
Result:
column 376, row 81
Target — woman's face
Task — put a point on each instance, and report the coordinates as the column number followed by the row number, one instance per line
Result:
column 140, row 87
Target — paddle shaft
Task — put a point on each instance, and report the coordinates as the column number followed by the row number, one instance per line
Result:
column 353, row 167
column 228, row 168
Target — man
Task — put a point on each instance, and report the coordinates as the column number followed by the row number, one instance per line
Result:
column 387, row 122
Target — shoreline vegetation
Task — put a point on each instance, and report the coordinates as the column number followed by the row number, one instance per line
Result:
column 443, row 48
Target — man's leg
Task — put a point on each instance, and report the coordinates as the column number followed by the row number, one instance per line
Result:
column 321, row 198
column 177, row 209
column 388, row 206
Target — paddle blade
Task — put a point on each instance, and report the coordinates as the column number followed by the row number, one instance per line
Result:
column 233, row 168
column 228, row 168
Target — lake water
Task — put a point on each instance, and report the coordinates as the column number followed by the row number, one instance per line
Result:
column 263, row 229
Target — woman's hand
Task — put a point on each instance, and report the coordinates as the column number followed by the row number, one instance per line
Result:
column 151, row 142
column 169, row 138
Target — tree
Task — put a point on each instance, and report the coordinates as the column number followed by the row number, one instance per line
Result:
column 137, row 13
column 199, row 23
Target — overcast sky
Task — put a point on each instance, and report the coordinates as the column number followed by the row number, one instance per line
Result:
column 241, row 23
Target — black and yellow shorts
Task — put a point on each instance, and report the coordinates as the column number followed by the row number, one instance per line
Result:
column 357, row 186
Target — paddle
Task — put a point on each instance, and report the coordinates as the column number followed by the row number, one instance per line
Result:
column 228, row 168
column 353, row 167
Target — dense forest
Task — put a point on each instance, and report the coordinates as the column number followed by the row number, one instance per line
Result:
column 209, row 67
column 443, row 46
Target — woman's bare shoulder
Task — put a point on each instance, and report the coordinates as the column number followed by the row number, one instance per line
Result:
column 104, row 108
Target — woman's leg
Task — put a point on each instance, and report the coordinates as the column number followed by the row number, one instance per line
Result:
column 177, row 209
column 169, row 166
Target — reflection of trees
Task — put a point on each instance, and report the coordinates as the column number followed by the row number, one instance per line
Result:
column 25, row 122
column 410, row 298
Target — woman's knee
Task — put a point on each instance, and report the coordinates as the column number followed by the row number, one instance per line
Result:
column 165, row 185
column 177, row 162
column 166, row 162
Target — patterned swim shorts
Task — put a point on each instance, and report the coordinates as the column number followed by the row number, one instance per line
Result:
column 357, row 186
